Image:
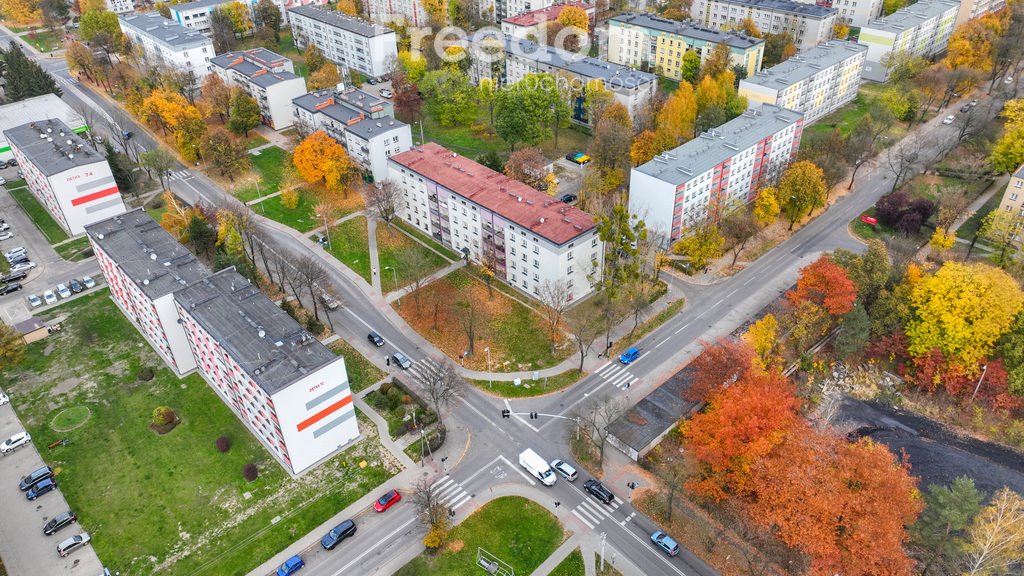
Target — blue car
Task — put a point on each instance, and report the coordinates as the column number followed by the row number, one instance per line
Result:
column 665, row 542
column 629, row 356
column 290, row 566
column 47, row 485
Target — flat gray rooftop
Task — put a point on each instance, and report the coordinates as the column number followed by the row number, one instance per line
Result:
column 911, row 16
column 185, row 6
column 39, row 108
column 1020, row 172
column 267, row 343
column 343, row 21
column 154, row 260
column 162, row 29
column 52, row 146
column 689, row 29
column 806, row 64
column 371, row 127
column 653, row 416
column 800, row 8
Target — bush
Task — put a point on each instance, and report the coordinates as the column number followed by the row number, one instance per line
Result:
column 286, row 305
column 163, row 415
column 145, row 374
column 223, row 444
column 386, row 387
column 436, row 536
column 314, row 326
column 249, row 472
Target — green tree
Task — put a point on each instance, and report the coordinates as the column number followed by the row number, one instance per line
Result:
column 689, row 70
column 244, row 114
column 1008, row 152
column 225, row 154
column 12, row 346
column 25, row 78
column 942, row 526
column 95, row 23
column 269, row 15
column 163, row 9
column 855, row 334
column 523, row 112
column 622, row 235
column 450, row 98
column 801, row 189
column 869, row 271
column 159, row 161
column 1011, row 349
column 121, row 173
column 315, row 59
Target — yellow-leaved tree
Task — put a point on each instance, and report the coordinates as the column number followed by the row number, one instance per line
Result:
column 319, row 159
column 574, row 16
column 766, row 206
column 763, row 338
column 674, row 122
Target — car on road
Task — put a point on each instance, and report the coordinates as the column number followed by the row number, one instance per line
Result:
column 665, row 542
column 76, row 286
column 3, row 181
column 62, row 520
column 12, row 163
column 127, row 134
column 63, row 291
column 14, row 442
column 6, row 235
column 14, row 276
column 402, row 360
column 372, row 81
column 4, row 399
column 965, row 108
column 291, row 566
column 49, row 297
column 88, row 282
column 98, row 139
column 597, row 490
column 45, row 486
column 35, row 477
column 578, row 157
column 385, row 93
column 15, row 252
column 34, row 301
column 375, row 339
column 4, row 225
column 973, row 103
column 24, row 266
column 74, row 543
column 948, row 119
column 10, row 288
column 330, row 301
column 569, row 198
column 337, row 534
column 387, row 500
column 629, row 356
column 1008, row 80
column 563, row 468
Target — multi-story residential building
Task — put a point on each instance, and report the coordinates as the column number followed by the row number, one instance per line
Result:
column 509, row 60
column 657, row 45
column 1013, row 199
column 266, row 76
column 345, row 40
column 196, row 15
column 971, row 9
column 359, row 121
column 808, row 24
column 815, row 82
column 408, row 12
column 528, row 236
column 533, row 25
column 922, row 29
column 284, row 385
column 714, row 173
column 508, row 8
column 166, row 43
column 120, row 6
column 144, row 265
column 33, row 110
column 68, row 177
column 851, row 12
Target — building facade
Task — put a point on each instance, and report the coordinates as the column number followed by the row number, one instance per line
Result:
column 144, row 265
column 345, row 40
column 533, row 25
column 120, row 6
column 854, row 13
column 1013, row 200
column 266, row 76
column 815, row 82
column 70, row 179
column 196, row 15
column 36, row 109
column 408, row 12
column 529, row 237
column 971, row 9
column 166, row 43
column 922, row 29
column 654, row 44
column 717, row 172
column 808, row 24
column 361, row 122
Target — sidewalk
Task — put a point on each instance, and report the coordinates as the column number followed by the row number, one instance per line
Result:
column 274, row 138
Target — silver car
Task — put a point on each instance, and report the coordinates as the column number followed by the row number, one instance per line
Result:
column 34, row 301
column 402, row 360
column 563, row 468
column 64, row 291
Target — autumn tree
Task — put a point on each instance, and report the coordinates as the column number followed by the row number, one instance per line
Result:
column 612, row 138
column 644, row 148
column 315, row 59
column 700, row 244
column 827, row 150
column 326, row 77
column 21, row 11
column 737, row 228
column 675, row 121
column 224, row 154
column 943, row 525
column 717, row 62
column 217, row 95
column 244, row 113
column 778, row 48
column 995, row 542
column 870, row 270
column 320, row 159
column 407, row 99
column 719, row 364
column 95, row 23
column 825, row 284
column 269, row 16
column 238, row 14
column 529, row 166
column 441, row 384
column 766, row 206
column 12, row 346
column 801, row 189
column 159, row 161
column 1008, row 152
column 763, row 339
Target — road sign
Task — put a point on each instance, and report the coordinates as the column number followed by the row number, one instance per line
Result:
column 869, row 220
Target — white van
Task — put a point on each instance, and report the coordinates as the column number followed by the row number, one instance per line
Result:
column 537, row 466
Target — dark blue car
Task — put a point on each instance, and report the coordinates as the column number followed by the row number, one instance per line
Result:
column 337, row 534
column 629, row 356
column 290, row 566
column 47, row 485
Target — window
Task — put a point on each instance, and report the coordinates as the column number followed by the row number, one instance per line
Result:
column 1018, row 183
column 568, row 270
column 1013, row 197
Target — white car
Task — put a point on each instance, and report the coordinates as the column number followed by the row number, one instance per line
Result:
column 4, row 225
column 6, row 235
column 948, row 120
column 1009, row 80
column 34, row 301
column 14, row 252
column 23, row 267
column 64, row 291
column 88, row 282
column 4, row 399
column 3, row 180
column 14, row 442
column 49, row 297
column 385, row 93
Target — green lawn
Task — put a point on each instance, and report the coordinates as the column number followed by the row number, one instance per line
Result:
column 300, row 218
column 253, row 140
column 42, row 40
column 530, row 388
column 156, row 207
column 391, row 244
column 269, row 166
column 361, row 372
column 432, row 242
column 168, row 504
column 464, row 139
column 518, row 531
column 851, row 114
column 37, row 213
column 971, row 226
column 571, row 566
column 75, row 250
column 349, row 244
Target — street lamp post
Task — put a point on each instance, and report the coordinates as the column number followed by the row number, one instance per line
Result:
column 327, row 227
column 490, row 384
column 984, row 370
column 395, row 276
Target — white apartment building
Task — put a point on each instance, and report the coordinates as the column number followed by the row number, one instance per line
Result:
column 815, row 82
column 345, row 40
column 266, row 76
column 34, row 109
column 70, row 179
column 657, row 45
column 718, row 171
column 533, row 25
column 196, row 15
column 921, row 29
column 971, row 9
column 359, row 121
column 166, row 43
column 808, row 24
column 1013, row 197
column 407, row 12
column 144, row 265
column 516, row 58
column 508, row 8
column 530, row 237
column 120, row 6
column 854, row 13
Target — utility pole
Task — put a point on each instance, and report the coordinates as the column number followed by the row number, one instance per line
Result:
column 603, row 535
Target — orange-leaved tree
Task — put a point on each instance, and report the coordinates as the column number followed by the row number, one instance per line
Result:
column 719, row 364
column 319, row 159
column 825, row 284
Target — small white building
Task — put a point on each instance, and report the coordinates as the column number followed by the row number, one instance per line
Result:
column 808, row 24
column 68, row 177
column 166, row 43
column 530, row 237
column 816, row 82
column 715, row 173
column 533, row 25
column 345, row 40
column 34, row 109
column 266, row 76
column 509, row 8
column 120, row 6
column 922, row 29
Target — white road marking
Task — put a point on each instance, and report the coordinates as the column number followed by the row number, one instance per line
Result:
column 520, row 418
column 582, row 519
column 520, row 470
column 388, row 538
column 662, row 342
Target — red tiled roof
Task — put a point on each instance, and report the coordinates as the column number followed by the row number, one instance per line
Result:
column 549, row 14
column 509, row 198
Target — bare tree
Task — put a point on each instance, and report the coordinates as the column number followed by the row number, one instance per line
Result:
column 303, row 129
column 638, row 301
column 996, row 536
column 118, row 123
column 311, row 274
column 968, row 125
column 441, row 383
column 468, row 315
column 265, row 252
column 383, row 198
column 613, row 311
column 584, row 327
column 901, row 160
column 429, row 508
column 738, row 228
column 415, row 265
column 594, row 417
column 952, row 201
column 555, row 296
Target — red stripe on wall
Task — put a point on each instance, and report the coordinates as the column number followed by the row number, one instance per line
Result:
column 325, row 413
column 94, row 196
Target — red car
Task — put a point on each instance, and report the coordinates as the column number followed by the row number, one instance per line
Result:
column 387, row 501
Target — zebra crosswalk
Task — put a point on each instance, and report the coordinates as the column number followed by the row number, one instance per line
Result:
column 617, row 375
column 450, row 493
column 591, row 512
column 179, row 175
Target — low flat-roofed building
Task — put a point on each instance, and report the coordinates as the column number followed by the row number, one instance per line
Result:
column 33, row 110
column 266, row 76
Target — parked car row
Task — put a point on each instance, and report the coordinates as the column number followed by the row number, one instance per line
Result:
column 75, row 286
column 17, row 259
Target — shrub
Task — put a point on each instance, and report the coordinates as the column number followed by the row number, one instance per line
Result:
column 249, row 472
column 145, row 374
column 386, row 387
column 436, row 536
column 286, row 305
column 290, row 198
column 314, row 326
column 163, row 415
column 223, row 444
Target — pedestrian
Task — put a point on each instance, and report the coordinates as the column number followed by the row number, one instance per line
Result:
column 388, row 360
column 451, row 513
column 557, row 504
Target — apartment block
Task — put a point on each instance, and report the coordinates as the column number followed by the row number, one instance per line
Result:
column 971, row 9
column 530, row 237
column 854, row 13
column 808, row 24
column 517, row 57
column 408, row 12
column 719, row 171
column 68, row 177
column 166, row 43
column 815, row 82
column 35, row 109
column 533, row 25
column 144, row 265
column 196, row 15
column 345, row 40
column 657, row 45
column 120, row 6
column 1013, row 197
column 266, row 76
column 361, row 122
column 922, row 29
column 509, row 8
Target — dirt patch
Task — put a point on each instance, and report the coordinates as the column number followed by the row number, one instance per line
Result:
column 456, row 546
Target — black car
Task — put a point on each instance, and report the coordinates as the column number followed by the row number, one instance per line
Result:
column 12, row 163
column 597, row 490
column 35, row 477
column 337, row 534
column 127, row 135
column 62, row 520
column 76, row 286
column 375, row 339
column 15, row 276
column 10, row 288
column 569, row 198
